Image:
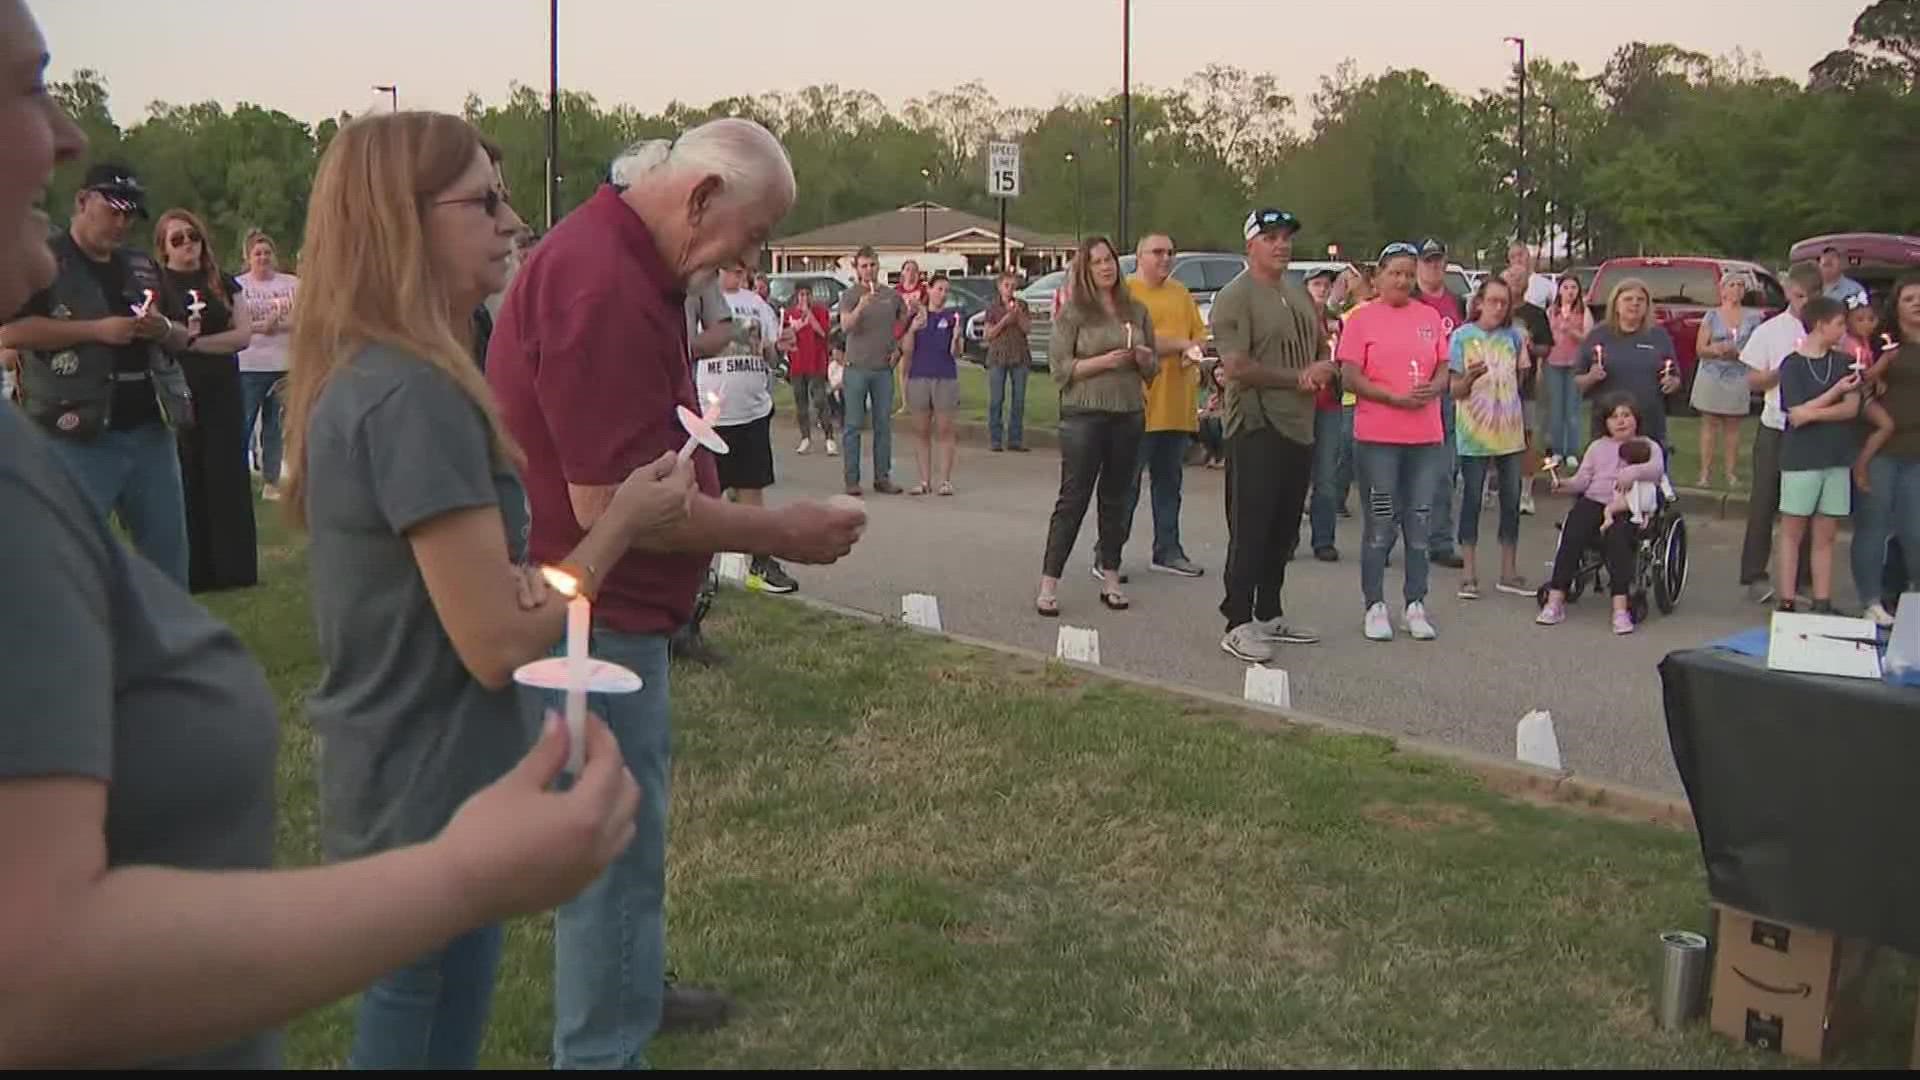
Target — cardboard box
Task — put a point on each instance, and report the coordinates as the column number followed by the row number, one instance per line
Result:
column 1785, row 988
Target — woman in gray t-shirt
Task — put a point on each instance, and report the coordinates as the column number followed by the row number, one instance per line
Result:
column 408, row 484
column 144, row 923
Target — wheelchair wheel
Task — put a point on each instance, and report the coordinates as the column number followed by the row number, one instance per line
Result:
column 1670, row 566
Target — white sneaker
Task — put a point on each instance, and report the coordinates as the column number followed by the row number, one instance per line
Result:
column 1526, row 501
column 1880, row 615
column 832, row 450
column 1417, row 623
column 1378, row 626
column 1244, row 642
column 270, row 493
column 805, row 446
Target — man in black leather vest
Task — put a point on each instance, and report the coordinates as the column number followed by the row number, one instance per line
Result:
column 97, row 371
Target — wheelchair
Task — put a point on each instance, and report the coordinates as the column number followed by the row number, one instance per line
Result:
column 1659, row 562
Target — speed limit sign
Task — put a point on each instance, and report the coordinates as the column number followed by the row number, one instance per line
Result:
column 1003, row 170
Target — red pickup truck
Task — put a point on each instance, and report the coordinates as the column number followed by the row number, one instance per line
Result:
column 1683, row 288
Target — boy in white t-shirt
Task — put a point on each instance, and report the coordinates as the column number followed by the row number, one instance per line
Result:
column 738, row 383
column 1766, row 349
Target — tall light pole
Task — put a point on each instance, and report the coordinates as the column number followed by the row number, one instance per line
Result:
column 553, row 109
column 1079, row 192
column 926, row 175
column 1126, row 118
column 1550, row 211
column 1112, row 124
column 1520, row 230
column 393, row 94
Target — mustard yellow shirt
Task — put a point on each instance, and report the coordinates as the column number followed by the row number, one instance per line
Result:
column 1172, row 393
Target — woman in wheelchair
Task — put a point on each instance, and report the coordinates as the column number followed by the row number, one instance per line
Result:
column 1604, row 478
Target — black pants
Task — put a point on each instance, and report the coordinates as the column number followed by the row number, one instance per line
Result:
column 1098, row 454
column 1268, row 476
column 221, row 548
column 1763, row 507
column 1577, row 535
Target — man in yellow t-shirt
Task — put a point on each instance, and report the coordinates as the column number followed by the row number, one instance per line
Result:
column 1172, row 419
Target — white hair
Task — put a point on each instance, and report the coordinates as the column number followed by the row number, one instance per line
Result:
column 746, row 157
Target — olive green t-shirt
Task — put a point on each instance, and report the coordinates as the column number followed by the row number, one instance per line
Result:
column 1081, row 335
column 1276, row 326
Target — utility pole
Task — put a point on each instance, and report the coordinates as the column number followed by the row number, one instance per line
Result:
column 1121, row 239
column 553, row 108
column 1520, row 230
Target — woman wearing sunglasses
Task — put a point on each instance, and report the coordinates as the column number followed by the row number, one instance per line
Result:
column 142, row 921
column 196, row 293
column 408, row 483
column 1393, row 356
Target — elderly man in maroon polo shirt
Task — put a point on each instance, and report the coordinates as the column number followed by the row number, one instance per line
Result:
column 589, row 359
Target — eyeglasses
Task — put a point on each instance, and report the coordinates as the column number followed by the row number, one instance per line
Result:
column 490, row 202
column 183, row 239
column 1395, row 249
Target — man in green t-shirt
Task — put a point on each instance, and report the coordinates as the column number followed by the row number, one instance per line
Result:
column 1274, row 361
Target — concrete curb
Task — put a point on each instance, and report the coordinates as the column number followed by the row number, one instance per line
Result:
column 1561, row 788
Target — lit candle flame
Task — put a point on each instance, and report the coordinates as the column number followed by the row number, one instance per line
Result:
column 562, row 582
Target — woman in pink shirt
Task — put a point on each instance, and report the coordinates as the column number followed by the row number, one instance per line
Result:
column 1571, row 322
column 1601, row 478
column 1393, row 357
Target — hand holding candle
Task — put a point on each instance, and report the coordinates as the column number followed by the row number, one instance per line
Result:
column 195, row 305
column 577, row 672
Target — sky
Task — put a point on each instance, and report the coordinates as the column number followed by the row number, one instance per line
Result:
column 314, row 58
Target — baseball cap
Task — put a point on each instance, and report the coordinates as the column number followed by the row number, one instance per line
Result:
column 1324, row 271
column 119, row 185
column 1269, row 220
column 1431, row 248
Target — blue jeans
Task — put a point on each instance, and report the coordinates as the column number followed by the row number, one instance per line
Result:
column 1563, row 412
column 137, row 474
column 1891, row 511
column 257, row 399
column 1402, row 484
column 1163, row 457
column 1473, row 481
column 1440, row 527
column 1332, row 471
column 610, row 942
column 868, row 393
column 431, row 1014
column 998, row 381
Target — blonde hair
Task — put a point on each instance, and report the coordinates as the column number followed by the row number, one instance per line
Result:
column 366, row 277
column 1613, row 302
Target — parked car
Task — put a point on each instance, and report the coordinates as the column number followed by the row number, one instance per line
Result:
column 1872, row 259
column 1204, row 273
column 1683, row 289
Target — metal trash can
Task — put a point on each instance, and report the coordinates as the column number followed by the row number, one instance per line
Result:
column 1683, row 970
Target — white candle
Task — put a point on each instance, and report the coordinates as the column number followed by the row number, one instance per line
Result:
column 1413, row 372
column 197, row 306
column 579, row 626
column 711, row 414
column 145, row 305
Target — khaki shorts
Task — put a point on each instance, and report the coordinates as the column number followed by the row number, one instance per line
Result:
column 941, row 396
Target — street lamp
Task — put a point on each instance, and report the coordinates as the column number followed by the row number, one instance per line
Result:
column 1126, row 117
column 393, row 94
column 1115, row 128
column 1079, row 193
column 1553, row 170
column 1520, row 233
column 553, row 109
column 928, row 177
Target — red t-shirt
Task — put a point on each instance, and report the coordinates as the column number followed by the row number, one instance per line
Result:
column 588, row 359
column 1446, row 305
column 809, row 356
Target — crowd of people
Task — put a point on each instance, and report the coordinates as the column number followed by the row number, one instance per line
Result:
column 459, row 413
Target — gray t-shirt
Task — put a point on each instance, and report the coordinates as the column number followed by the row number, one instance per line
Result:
column 870, row 344
column 706, row 306
column 1634, row 363
column 111, row 672
column 406, row 732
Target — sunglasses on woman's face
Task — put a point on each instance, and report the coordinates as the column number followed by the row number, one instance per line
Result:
column 490, row 202
column 182, row 239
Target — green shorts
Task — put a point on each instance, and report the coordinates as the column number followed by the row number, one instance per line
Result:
column 1827, row 492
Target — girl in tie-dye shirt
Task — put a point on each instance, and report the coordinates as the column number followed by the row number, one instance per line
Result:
column 1488, row 356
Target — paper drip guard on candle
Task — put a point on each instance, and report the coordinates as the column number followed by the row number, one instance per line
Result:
column 699, row 433
column 575, row 674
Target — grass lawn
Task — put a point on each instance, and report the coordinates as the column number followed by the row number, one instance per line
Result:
column 899, row 851
column 1043, row 397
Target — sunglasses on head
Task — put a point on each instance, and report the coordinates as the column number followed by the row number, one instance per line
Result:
column 1392, row 250
column 1269, row 218
column 182, row 239
column 490, row 202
